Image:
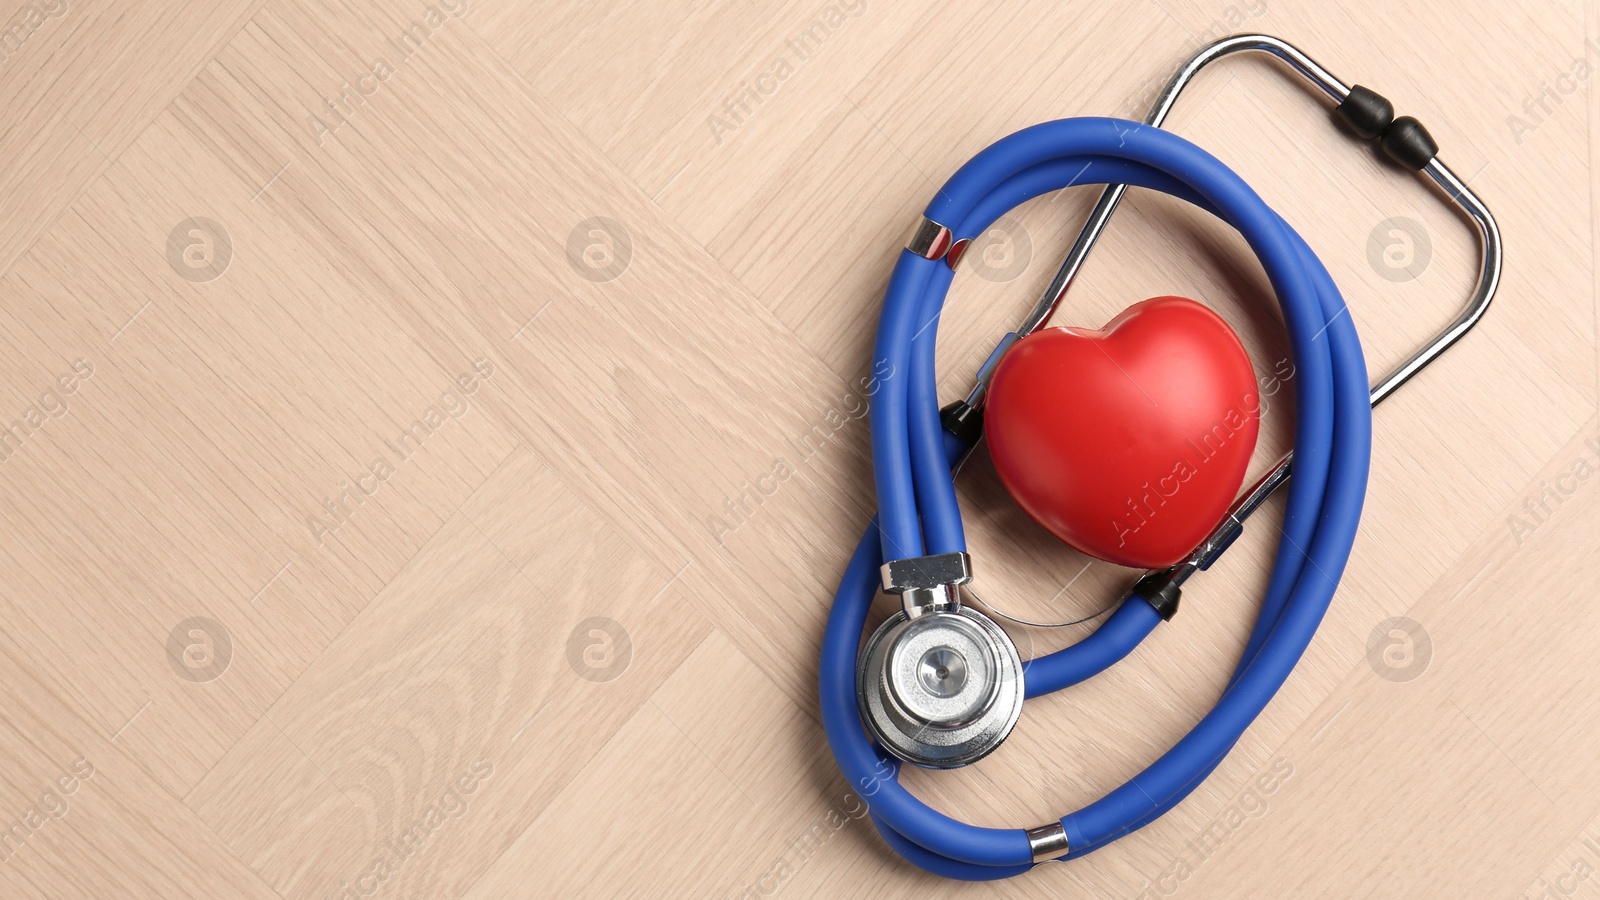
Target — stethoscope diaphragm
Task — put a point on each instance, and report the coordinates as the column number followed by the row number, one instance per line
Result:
column 941, row 689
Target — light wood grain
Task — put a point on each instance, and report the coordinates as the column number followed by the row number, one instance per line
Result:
column 412, row 556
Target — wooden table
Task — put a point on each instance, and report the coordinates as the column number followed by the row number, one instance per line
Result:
column 437, row 427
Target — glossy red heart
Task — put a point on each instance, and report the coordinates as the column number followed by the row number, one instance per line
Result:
column 1128, row 443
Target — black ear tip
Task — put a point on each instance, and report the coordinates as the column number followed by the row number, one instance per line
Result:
column 1366, row 112
column 1408, row 143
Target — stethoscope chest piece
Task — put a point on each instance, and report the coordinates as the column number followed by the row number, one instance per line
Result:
column 940, row 689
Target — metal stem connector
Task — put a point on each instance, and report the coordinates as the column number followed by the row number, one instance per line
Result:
column 927, row 583
column 1047, row 842
column 929, row 239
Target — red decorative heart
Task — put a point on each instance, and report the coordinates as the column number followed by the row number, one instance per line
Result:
column 1129, row 443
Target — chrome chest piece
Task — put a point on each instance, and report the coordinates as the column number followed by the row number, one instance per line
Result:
column 939, row 685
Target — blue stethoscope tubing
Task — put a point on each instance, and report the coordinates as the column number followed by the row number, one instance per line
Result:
column 918, row 514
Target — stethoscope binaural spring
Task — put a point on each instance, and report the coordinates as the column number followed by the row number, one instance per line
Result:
column 939, row 684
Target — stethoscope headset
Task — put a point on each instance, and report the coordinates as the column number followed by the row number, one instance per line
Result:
column 939, row 684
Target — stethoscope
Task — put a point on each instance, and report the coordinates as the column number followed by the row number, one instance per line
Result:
column 939, row 684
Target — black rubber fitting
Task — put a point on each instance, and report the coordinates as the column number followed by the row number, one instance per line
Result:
column 1408, row 143
column 1365, row 112
column 1158, row 590
column 962, row 421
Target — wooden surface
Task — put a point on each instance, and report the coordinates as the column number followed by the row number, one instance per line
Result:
column 437, row 431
